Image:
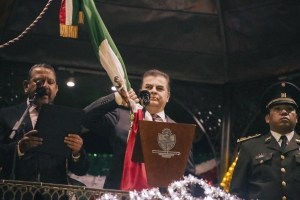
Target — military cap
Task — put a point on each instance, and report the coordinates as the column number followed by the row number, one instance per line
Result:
column 280, row 93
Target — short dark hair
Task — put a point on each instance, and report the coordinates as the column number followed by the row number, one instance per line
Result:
column 29, row 73
column 155, row 72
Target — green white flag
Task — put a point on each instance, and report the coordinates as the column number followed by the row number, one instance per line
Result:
column 103, row 45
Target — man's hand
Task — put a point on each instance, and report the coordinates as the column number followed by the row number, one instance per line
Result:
column 132, row 96
column 29, row 141
column 74, row 142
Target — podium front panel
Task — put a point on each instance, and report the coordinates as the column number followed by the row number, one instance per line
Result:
column 166, row 148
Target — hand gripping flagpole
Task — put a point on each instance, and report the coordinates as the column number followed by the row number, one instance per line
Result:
column 120, row 88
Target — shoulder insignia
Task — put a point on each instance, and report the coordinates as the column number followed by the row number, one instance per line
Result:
column 247, row 138
column 268, row 138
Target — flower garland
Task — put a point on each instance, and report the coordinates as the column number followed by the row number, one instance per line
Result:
column 177, row 191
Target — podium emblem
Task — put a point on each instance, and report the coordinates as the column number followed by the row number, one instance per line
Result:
column 166, row 141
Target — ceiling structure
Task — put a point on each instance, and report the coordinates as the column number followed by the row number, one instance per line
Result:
column 205, row 41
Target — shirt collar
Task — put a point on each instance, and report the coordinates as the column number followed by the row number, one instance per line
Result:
column 32, row 108
column 160, row 114
column 278, row 135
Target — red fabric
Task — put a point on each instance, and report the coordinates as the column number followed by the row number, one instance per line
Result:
column 134, row 174
column 211, row 176
column 62, row 12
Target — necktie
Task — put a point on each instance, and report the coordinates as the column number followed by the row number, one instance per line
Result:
column 156, row 118
column 283, row 143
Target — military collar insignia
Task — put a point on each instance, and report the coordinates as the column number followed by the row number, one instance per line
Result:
column 298, row 141
column 268, row 139
column 247, row 138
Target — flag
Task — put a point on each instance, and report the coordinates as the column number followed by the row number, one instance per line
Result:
column 134, row 174
column 69, row 17
column 104, row 46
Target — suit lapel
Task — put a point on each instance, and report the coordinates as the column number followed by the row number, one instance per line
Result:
column 271, row 142
column 168, row 119
column 20, row 110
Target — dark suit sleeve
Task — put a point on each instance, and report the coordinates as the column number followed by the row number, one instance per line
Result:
column 96, row 110
column 238, row 184
column 7, row 146
column 81, row 166
column 190, row 166
column 195, row 190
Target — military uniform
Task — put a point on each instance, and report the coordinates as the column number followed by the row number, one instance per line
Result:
column 264, row 171
column 267, row 168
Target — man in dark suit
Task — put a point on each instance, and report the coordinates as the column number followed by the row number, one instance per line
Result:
column 30, row 165
column 268, row 166
column 107, row 117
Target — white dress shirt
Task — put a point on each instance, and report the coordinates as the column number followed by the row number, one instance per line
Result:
column 278, row 135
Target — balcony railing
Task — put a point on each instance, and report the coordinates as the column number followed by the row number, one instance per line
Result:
column 15, row 190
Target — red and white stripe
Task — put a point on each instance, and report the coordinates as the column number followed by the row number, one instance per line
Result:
column 66, row 12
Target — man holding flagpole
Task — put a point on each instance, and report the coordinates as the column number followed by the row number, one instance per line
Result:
column 107, row 117
column 116, row 115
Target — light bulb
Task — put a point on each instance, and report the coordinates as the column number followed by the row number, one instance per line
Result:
column 71, row 82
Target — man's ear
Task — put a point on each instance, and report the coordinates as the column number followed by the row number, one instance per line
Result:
column 267, row 118
column 25, row 86
column 56, row 87
column 168, row 97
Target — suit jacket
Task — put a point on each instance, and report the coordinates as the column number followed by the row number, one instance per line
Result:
column 32, row 166
column 106, row 118
column 264, row 171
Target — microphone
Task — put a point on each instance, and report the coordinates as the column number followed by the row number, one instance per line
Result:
column 40, row 89
column 145, row 97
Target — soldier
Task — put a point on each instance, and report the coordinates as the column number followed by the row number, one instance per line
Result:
column 268, row 166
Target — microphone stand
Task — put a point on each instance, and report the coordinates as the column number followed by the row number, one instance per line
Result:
column 15, row 131
column 145, row 100
column 144, row 110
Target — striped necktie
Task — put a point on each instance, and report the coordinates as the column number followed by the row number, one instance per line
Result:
column 156, row 118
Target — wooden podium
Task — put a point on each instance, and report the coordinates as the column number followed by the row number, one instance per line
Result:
column 164, row 148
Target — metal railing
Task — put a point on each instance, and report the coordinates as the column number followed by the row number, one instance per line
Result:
column 23, row 190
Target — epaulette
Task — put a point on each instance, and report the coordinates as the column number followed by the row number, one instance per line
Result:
column 247, row 138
